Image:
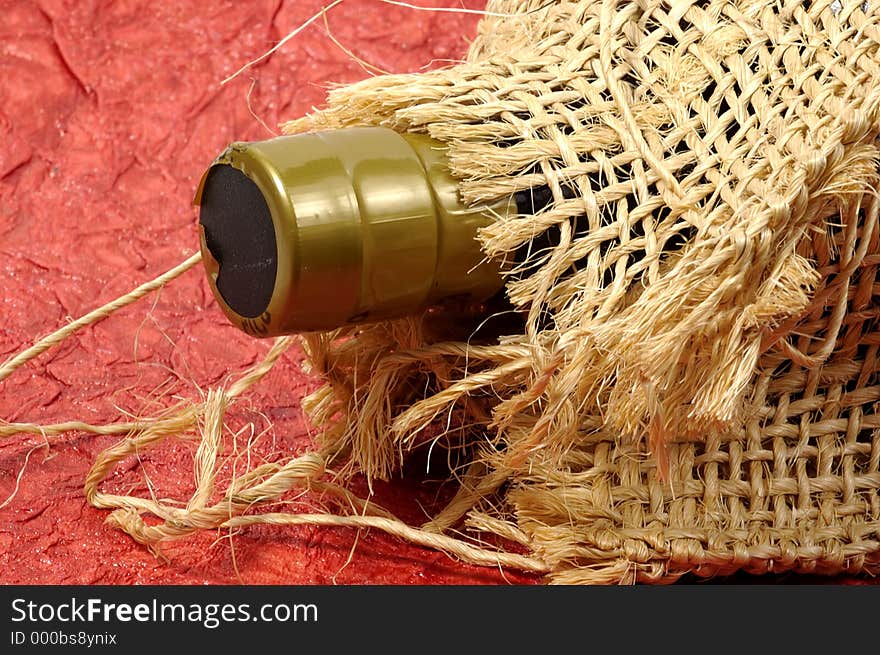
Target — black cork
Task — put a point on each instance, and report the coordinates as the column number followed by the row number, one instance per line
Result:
column 241, row 236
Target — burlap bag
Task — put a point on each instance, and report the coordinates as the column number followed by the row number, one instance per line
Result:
column 694, row 388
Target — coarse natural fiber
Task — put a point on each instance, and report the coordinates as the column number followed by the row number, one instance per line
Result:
column 694, row 385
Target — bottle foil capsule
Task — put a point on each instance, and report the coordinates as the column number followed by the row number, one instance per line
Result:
column 317, row 231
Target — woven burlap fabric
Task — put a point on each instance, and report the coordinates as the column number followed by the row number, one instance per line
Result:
column 694, row 387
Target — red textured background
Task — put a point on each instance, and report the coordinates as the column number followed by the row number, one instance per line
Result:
column 109, row 114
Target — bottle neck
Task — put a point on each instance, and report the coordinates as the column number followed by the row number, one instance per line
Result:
column 316, row 231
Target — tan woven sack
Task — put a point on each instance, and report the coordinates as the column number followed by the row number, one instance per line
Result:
column 694, row 387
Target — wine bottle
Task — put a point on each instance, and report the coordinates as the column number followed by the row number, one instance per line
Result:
column 321, row 230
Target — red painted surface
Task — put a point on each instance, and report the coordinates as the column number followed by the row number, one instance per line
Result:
column 109, row 114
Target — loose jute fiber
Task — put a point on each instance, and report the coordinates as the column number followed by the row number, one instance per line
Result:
column 693, row 385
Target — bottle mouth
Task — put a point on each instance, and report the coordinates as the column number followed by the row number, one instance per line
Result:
column 238, row 240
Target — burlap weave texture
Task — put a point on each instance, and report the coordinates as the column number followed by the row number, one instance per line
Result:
column 694, row 387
